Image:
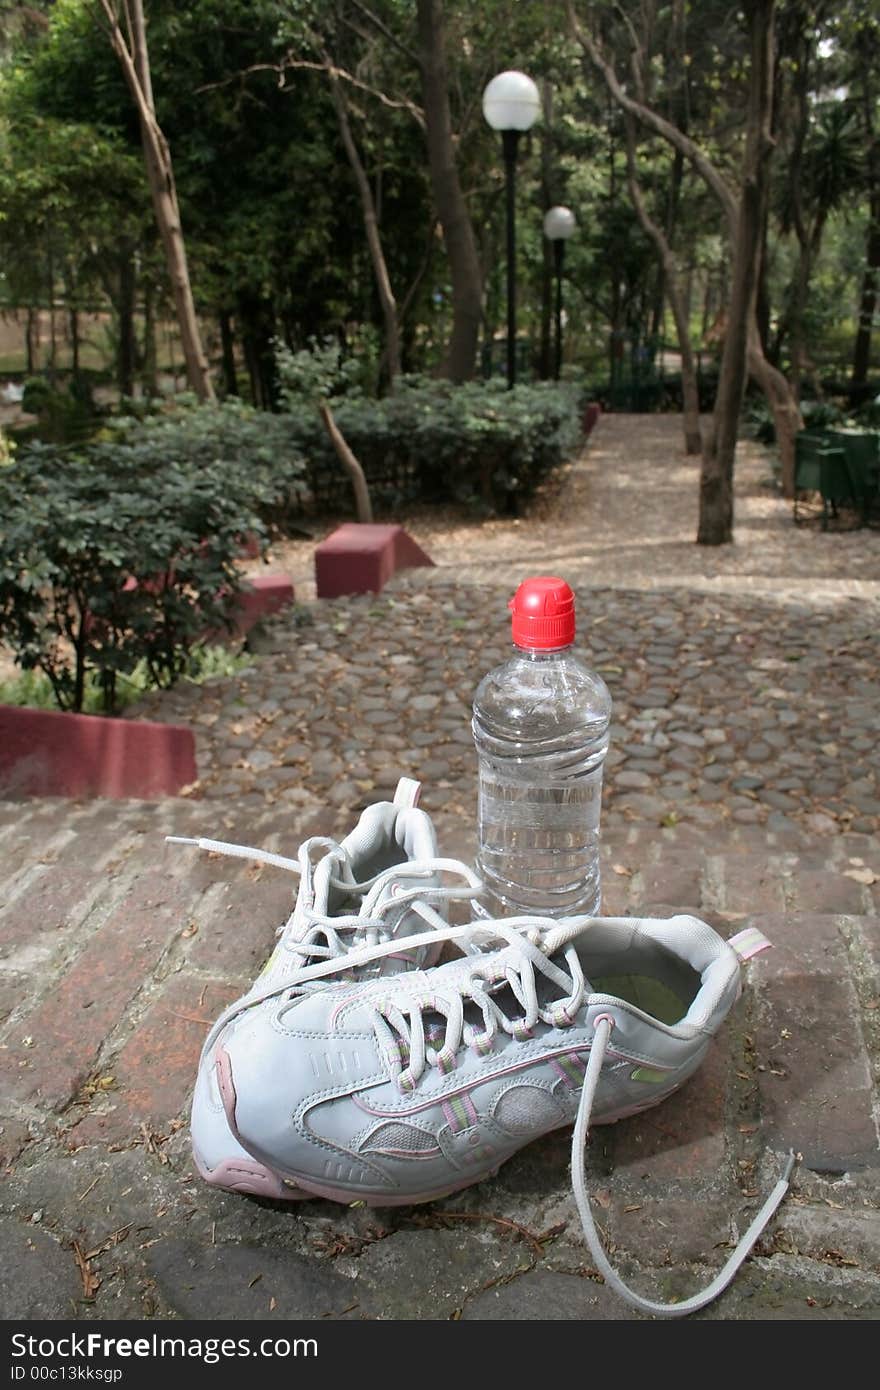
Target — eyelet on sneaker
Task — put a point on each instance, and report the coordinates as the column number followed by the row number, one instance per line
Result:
column 603, row 1018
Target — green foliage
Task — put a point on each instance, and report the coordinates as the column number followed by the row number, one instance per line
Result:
column 270, row 210
column 63, row 417
column 477, row 444
column 480, row 445
column 822, row 415
column 113, row 556
column 868, row 417
column 251, row 449
column 315, row 373
column 817, row 415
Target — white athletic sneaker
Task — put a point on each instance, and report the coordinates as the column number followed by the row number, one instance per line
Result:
column 401, row 1089
column 371, row 889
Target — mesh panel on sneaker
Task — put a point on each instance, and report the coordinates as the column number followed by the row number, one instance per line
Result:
column 399, row 1138
column 527, row 1110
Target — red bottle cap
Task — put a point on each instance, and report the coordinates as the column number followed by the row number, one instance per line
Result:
column 543, row 614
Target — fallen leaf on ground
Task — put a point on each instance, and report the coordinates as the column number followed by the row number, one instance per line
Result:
column 861, row 875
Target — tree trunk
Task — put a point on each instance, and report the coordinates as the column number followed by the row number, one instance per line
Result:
column 257, row 322
column 53, row 345
column 227, row 340
column 31, row 339
column 762, row 299
column 670, row 279
column 458, row 232
column 149, row 355
column 797, row 295
column 73, row 322
column 779, row 395
column 126, row 350
column 716, row 479
column 363, row 506
column 135, row 63
column 371, row 226
column 546, row 357
column 787, row 418
column 868, row 299
column 861, row 363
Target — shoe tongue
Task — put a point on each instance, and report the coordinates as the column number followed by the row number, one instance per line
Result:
column 321, row 883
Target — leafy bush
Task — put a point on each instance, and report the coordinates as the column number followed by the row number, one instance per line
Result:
column 316, row 373
column 818, row 415
column 477, row 444
column 108, row 560
column 63, row 417
column 430, row 440
column 823, row 415
column 868, row 417
column 234, row 440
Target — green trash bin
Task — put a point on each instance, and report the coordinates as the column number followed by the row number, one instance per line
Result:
column 820, row 468
column 862, row 452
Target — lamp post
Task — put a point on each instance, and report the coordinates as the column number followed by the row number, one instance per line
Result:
column 559, row 224
column 511, row 104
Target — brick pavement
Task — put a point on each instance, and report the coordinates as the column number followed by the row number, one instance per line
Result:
column 134, row 947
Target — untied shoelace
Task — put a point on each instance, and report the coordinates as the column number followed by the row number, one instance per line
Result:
column 534, row 944
column 530, row 937
column 370, row 926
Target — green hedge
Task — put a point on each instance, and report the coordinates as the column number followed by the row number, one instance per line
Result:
column 254, row 450
column 479, row 445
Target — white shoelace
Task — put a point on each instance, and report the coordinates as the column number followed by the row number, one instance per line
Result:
column 578, row 1181
column 371, row 935
column 536, row 939
column 405, row 1034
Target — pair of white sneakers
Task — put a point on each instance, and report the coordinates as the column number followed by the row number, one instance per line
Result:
column 358, row 1069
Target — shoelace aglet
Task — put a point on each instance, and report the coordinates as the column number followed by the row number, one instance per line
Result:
column 790, row 1166
column 180, row 840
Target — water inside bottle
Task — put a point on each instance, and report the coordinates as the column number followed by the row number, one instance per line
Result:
column 539, row 844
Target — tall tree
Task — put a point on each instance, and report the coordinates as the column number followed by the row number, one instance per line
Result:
column 822, row 158
column 739, row 202
column 865, row 56
column 371, row 225
column 458, row 232
column 134, row 58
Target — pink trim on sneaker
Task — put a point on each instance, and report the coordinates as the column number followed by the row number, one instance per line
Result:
column 233, row 1173
column 248, row 1176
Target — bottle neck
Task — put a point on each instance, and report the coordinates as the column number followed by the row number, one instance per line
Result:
column 542, row 653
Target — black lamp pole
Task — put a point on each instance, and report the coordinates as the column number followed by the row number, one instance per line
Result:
column 511, row 104
column 559, row 225
column 559, row 260
column 510, row 140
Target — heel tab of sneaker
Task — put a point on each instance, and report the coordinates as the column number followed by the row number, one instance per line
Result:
column 748, row 943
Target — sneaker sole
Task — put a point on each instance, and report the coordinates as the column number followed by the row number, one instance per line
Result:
column 303, row 1187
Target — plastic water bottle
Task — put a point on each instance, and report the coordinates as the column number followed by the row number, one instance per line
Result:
column 541, row 731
